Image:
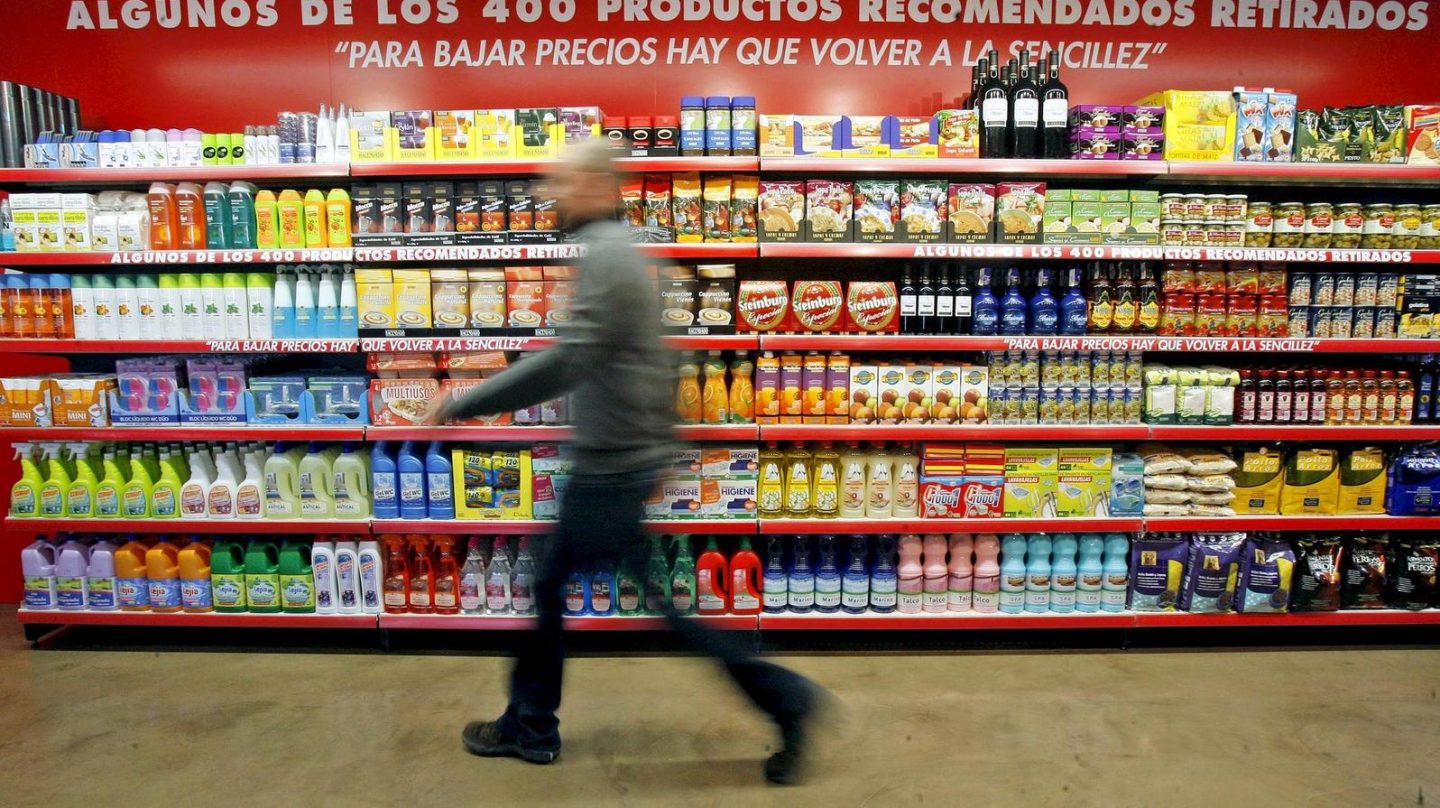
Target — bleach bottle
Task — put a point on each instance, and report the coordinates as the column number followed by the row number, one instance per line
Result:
column 196, row 594
column 410, row 472
column 1037, row 573
column 1090, row 573
column 602, row 588
column 961, row 589
column 1062, row 574
column 297, row 577
column 227, row 576
column 262, row 577
column 322, row 562
column 348, row 598
column 1012, row 574
column 711, row 580
column 777, row 581
column 100, row 578
column 37, row 564
column 162, row 563
column 351, row 485
column 282, row 482
column 855, row 585
column 132, row 581
column 72, row 564
column 577, row 592
column 986, row 598
column 884, row 578
column 1117, row 573
column 827, row 578
column 440, row 499
column 384, row 482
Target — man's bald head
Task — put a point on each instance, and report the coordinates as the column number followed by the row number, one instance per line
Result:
column 586, row 182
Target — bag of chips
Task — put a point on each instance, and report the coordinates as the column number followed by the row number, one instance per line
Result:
column 1317, row 574
column 1365, row 561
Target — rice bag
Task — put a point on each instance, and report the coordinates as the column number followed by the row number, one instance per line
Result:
column 1312, row 483
column 1207, row 498
column 1157, row 571
column 1166, row 510
column 1266, row 574
column 1165, row 482
column 1259, row 480
column 1365, row 563
column 1211, row 510
column 1157, row 496
column 1212, row 573
column 1207, row 461
column 1210, row 483
column 1362, row 481
column 1317, row 574
column 1165, row 462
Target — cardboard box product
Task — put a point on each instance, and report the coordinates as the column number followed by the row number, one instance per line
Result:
column 767, row 389
column 1062, row 226
column 971, row 213
column 402, row 402
column 375, row 298
column 450, row 298
column 456, row 129
column 1083, row 481
column 412, row 298
column 716, row 296
column 1422, row 125
column 891, row 386
column 792, row 379
column 1250, row 141
column 1095, row 143
column 559, row 294
column 945, row 394
column 763, row 306
column 1030, row 482
column 777, row 135
column 732, row 499
column 519, row 207
column 818, row 306
column 876, row 210
column 837, row 389
column 782, row 210
column 1199, row 125
column 687, row 463
column 924, row 208
column 1279, row 126
column 525, row 297
column 864, row 393
column 919, row 394
column 578, row 124
column 675, row 499
column 821, row 135
column 828, row 206
column 369, row 139
column 974, row 394
column 454, row 389
column 913, row 136
column 679, row 296
column 488, row 297
column 730, row 463
column 494, row 134
column 76, row 213
column 412, row 135
column 957, row 133
column 493, row 485
column 872, row 307
column 1019, row 212
column 537, row 133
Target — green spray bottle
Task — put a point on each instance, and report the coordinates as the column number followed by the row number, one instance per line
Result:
column 135, row 495
column 80, row 498
column 630, row 582
column 25, row 493
column 57, row 482
column 165, row 495
column 682, row 577
column 657, row 578
column 112, row 483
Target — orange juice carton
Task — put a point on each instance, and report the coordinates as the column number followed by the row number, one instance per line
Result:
column 891, row 386
column 919, row 394
column 974, row 394
column 729, row 499
column 791, row 389
column 675, row 499
column 837, row 389
column 733, row 463
column 864, row 386
column 767, row 389
column 945, row 394
column 812, row 389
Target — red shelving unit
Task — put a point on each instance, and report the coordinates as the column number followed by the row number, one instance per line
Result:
column 903, row 342
column 880, row 342
column 118, row 176
column 463, row 527
column 532, row 434
column 719, row 252
column 496, row 252
column 1118, row 524
column 242, row 432
column 1368, row 617
column 948, row 251
column 953, row 432
column 1315, row 432
column 688, row 342
column 476, row 622
column 1309, row 256
column 931, row 622
column 702, row 527
column 207, row 620
column 904, row 166
column 1305, row 173
column 161, row 259
column 72, row 346
column 490, row 168
column 1292, row 523
column 258, row 527
column 714, row 342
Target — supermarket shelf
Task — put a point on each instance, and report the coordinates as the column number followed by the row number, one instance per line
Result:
column 529, row 434
column 906, row 432
column 126, row 346
column 1292, row 523
column 906, row 166
column 258, row 527
column 1120, row 524
column 733, row 527
column 895, row 621
column 1318, row 432
column 1359, row 617
column 1309, row 256
column 728, row 252
column 463, row 527
column 948, row 251
column 492, row 168
column 881, row 342
column 714, row 342
column 1304, row 173
column 901, row 342
column 476, row 622
column 164, row 258
column 116, row 176
column 496, row 252
column 208, row 620
column 164, row 433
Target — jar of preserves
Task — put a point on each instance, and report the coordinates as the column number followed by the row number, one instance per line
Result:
column 1235, row 206
column 1215, row 234
column 1379, row 225
column 1289, row 220
column 1259, row 224
column 1172, row 206
column 1430, row 227
column 1235, row 234
column 1406, row 233
column 1214, row 207
column 1196, row 234
column 1194, row 206
column 1172, row 232
column 1319, row 218
column 1347, row 225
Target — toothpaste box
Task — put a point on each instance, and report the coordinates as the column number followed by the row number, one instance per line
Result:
column 729, row 499
column 1030, row 482
column 735, row 463
column 675, row 499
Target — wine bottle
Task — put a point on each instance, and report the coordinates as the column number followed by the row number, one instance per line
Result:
column 907, row 301
column 925, row 303
column 944, row 304
column 1055, row 110
column 1025, row 112
column 994, row 113
column 963, row 302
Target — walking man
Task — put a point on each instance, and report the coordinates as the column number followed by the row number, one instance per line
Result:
column 612, row 361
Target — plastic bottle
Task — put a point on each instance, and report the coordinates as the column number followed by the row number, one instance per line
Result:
column 259, row 305
column 317, row 476
column 162, row 563
column 911, row 575
column 825, row 477
column 72, row 564
column 497, row 578
column 852, row 482
column 100, row 577
column 220, row 497
column 372, row 573
column 776, row 586
column 164, row 219
column 577, row 592
column 62, row 305
column 687, row 391
column 244, row 217
column 132, row 579
column 439, row 482
column 802, row 577
column 351, row 486
column 37, row 565
column 855, row 584
column 227, row 576
column 799, row 493
column 1090, row 573
column 828, row 582
column 1117, row 573
column 447, row 576
column 212, row 305
column 1012, row 574
column 127, row 308
column 262, row 577
column 82, row 309
column 771, row 482
column 290, row 212
column 167, row 325
column 189, row 217
column 397, row 575
column 327, row 304
column 267, row 220
column 324, row 138
column 715, row 398
column 348, row 308
column 195, row 491
column 884, row 580
column 385, row 482
column 235, row 305
column 307, row 315
column 630, row 582
column 745, row 580
column 314, row 230
column 410, row 474
column 250, row 493
column 472, row 577
column 107, row 491
column 282, row 482
column 297, row 577
column 1063, row 574
column 961, row 574
column 937, row 574
column 880, row 484
column 906, row 483
column 342, row 141
column 136, row 493
column 192, row 306
column 348, row 597
column 219, row 228
column 522, row 579
column 742, row 389
column 196, row 593
column 337, row 217
column 712, row 580
column 56, row 485
column 1037, row 573
column 322, row 563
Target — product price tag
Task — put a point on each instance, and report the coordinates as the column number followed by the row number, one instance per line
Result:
column 499, row 252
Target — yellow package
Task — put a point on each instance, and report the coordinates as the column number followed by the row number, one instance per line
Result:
column 1199, row 124
column 1082, row 482
column 1258, row 481
column 375, row 298
column 412, row 298
column 1312, row 483
column 1030, row 482
column 716, row 215
column 1362, row 481
column 450, row 297
column 82, row 401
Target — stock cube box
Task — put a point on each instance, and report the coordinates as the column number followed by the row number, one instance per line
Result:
column 1030, row 482
column 1019, row 212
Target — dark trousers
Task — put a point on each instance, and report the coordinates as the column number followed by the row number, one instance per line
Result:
column 600, row 521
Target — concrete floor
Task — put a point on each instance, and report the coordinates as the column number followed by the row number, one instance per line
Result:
column 1291, row 728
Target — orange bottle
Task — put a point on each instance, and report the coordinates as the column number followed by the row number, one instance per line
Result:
column 291, row 208
column 742, row 389
column 767, row 388
column 422, row 576
column 62, row 305
column 715, row 404
column 162, row 564
column 164, row 217
column 195, row 589
column 447, row 576
column 745, row 572
column 132, row 578
column 687, row 392
column 41, row 300
column 397, row 576
column 189, row 217
column 837, row 389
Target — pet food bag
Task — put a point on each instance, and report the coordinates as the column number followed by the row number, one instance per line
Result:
column 1157, row 568
column 1414, row 482
column 1365, row 563
column 1266, row 574
column 1317, row 574
column 1212, row 573
column 1411, row 580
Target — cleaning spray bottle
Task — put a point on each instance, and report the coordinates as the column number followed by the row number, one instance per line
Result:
column 447, row 576
column 220, row 498
column 107, row 491
column 196, row 489
column 25, row 493
column 250, row 494
column 135, row 495
column 307, row 320
column 58, row 480
column 327, row 303
column 165, row 495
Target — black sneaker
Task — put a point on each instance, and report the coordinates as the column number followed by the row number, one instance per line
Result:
column 787, row 767
column 485, row 739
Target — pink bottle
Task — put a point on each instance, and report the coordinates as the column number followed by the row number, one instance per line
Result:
column 912, row 575
column 962, row 571
column 936, row 599
column 987, row 573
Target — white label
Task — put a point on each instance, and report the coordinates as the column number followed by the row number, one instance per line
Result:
column 1056, row 111
column 926, row 306
column 958, row 601
column 945, row 306
column 1088, row 597
column 1113, row 597
column 827, row 595
column 882, row 594
column 1027, row 112
column 1062, row 600
column 986, row 601
column 962, row 305
column 856, row 595
column 1013, row 600
column 994, row 111
column 908, row 304
column 1038, row 600
column 936, row 601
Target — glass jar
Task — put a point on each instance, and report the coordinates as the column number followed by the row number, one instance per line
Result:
column 1215, row 234
column 1259, row 224
column 1194, row 206
column 1196, row 234
column 1347, row 225
column 1172, row 232
column 1430, row 227
column 1235, row 206
column 1234, row 233
column 1406, row 233
column 1289, row 225
column 1379, row 225
column 1214, row 207
column 1172, row 206
column 1319, row 218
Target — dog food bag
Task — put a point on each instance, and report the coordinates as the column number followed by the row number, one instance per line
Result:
column 1414, row 482
column 1411, row 583
column 1312, row 483
column 1157, row 567
column 1259, row 480
column 1364, row 583
column 1317, row 574
column 1266, row 574
column 1212, row 573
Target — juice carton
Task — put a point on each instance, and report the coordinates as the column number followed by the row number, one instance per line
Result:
column 767, row 389
column 791, row 387
column 945, row 394
column 1030, row 482
column 891, row 386
column 837, row 389
column 864, row 394
column 919, row 395
column 1083, row 482
column 974, row 394
column 812, row 389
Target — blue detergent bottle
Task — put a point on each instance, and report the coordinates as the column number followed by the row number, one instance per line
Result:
column 855, row 586
column 776, row 586
column 827, row 578
column 1037, row 573
column 802, row 578
column 884, row 578
column 410, row 471
column 384, row 482
column 1117, row 573
column 439, row 482
column 1062, row 574
column 1012, row 573
column 1090, row 573
column 601, row 583
column 577, row 592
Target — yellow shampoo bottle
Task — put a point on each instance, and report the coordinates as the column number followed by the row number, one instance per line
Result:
column 291, row 211
column 267, row 220
column 337, row 218
column 316, row 229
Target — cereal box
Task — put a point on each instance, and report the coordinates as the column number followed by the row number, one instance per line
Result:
column 1019, row 211
column 872, row 307
column 877, row 209
column 817, row 306
column 828, row 206
column 971, row 213
column 923, row 211
column 782, row 210
column 763, row 306
column 864, row 393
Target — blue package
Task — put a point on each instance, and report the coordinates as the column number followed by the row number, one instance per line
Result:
column 1266, row 574
column 1413, row 482
column 1212, row 573
column 1127, row 485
